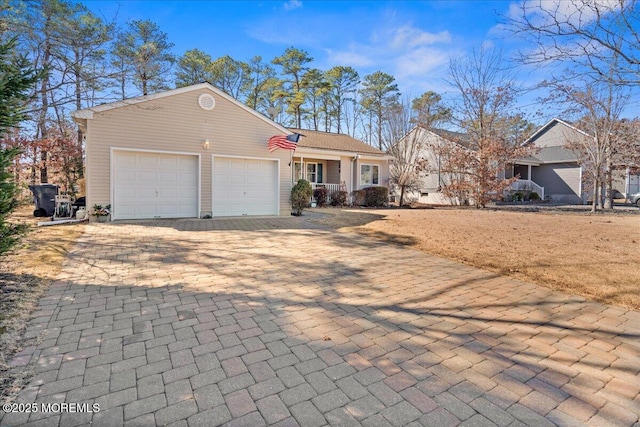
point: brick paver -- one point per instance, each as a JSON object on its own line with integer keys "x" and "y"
{"x": 278, "y": 321}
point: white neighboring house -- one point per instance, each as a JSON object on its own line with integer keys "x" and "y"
{"x": 431, "y": 178}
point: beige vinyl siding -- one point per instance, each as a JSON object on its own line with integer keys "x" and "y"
{"x": 333, "y": 172}
{"x": 346, "y": 172}
{"x": 383, "y": 172}
{"x": 177, "y": 124}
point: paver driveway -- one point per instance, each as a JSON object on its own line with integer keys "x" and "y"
{"x": 278, "y": 322}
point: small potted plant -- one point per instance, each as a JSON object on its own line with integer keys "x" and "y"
{"x": 102, "y": 212}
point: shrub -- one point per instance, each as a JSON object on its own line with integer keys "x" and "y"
{"x": 320, "y": 194}
{"x": 339, "y": 198}
{"x": 376, "y": 196}
{"x": 357, "y": 198}
{"x": 300, "y": 195}
{"x": 534, "y": 196}
{"x": 9, "y": 233}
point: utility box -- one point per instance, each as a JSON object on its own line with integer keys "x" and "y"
{"x": 44, "y": 199}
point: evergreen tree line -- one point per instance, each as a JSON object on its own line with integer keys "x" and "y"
{"x": 90, "y": 61}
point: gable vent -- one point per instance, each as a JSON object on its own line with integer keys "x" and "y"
{"x": 206, "y": 101}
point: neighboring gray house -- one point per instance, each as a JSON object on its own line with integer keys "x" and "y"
{"x": 555, "y": 169}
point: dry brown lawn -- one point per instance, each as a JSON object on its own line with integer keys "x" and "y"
{"x": 593, "y": 255}
{"x": 25, "y": 274}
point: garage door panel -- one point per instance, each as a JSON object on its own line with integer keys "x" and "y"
{"x": 168, "y": 162}
{"x": 244, "y": 187}
{"x": 144, "y": 177}
{"x": 168, "y": 178}
{"x": 155, "y": 185}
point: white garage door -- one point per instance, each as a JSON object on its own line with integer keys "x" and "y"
{"x": 244, "y": 187}
{"x": 154, "y": 185}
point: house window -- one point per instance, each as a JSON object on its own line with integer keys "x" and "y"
{"x": 314, "y": 173}
{"x": 370, "y": 174}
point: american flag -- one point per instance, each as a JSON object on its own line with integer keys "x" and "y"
{"x": 286, "y": 142}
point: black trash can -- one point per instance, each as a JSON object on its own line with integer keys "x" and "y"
{"x": 44, "y": 199}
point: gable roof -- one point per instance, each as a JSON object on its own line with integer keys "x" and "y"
{"x": 87, "y": 113}
{"x": 551, "y": 123}
{"x": 334, "y": 141}
{"x": 459, "y": 138}
{"x": 555, "y": 154}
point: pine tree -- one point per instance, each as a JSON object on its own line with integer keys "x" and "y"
{"x": 16, "y": 78}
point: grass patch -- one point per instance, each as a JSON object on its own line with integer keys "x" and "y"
{"x": 26, "y": 271}
{"x": 593, "y": 255}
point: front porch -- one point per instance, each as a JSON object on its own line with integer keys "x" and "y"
{"x": 524, "y": 184}
{"x": 321, "y": 173}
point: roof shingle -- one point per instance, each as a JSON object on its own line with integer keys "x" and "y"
{"x": 334, "y": 141}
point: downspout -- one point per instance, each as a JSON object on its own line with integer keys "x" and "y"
{"x": 580, "y": 188}
{"x": 353, "y": 166}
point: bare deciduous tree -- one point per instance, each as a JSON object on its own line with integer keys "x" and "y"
{"x": 486, "y": 115}
{"x": 586, "y": 32}
{"x": 599, "y": 106}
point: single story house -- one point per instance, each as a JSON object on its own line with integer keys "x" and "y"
{"x": 196, "y": 152}
{"x": 553, "y": 170}
{"x": 419, "y": 145}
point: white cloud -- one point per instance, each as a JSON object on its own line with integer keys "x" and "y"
{"x": 292, "y": 4}
{"x": 350, "y": 58}
{"x": 577, "y": 13}
{"x": 408, "y": 53}
{"x": 408, "y": 36}
{"x": 420, "y": 62}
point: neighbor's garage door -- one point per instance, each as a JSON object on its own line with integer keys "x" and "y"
{"x": 244, "y": 187}
{"x": 154, "y": 185}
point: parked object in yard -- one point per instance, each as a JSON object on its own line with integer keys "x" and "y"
{"x": 81, "y": 213}
{"x": 63, "y": 210}
{"x": 44, "y": 199}
{"x": 634, "y": 199}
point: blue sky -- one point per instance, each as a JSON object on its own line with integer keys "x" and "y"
{"x": 411, "y": 40}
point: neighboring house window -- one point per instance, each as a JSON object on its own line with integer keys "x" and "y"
{"x": 314, "y": 173}
{"x": 369, "y": 174}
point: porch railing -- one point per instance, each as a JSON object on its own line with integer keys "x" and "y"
{"x": 528, "y": 185}
{"x": 330, "y": 189}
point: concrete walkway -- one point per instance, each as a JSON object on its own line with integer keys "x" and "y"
{"x": 253, "y": 322}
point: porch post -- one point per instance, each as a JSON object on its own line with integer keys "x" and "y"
{"x": 529, "y": 173}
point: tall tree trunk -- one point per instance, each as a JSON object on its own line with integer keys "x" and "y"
{"x": 608, "y": 201}
{"x": 596, "y": 187}
{"x": 42, "y": 120}
{"x": 78, "y": 93}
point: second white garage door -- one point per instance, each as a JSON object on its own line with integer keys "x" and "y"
{"x": 244, "y": 186}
